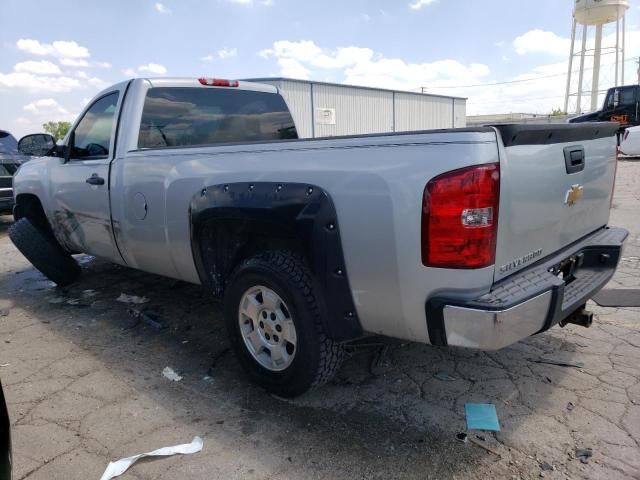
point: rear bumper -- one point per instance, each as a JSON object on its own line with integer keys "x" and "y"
{"x": 530, "y": 301}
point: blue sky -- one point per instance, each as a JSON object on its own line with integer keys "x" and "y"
{"x": 54, "y": 59}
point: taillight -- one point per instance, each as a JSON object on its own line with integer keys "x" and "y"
{"x": 460, "y": 218}
{"x": 218, "y": 82}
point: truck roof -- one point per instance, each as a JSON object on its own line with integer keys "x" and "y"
{"x": 193, "y": 82}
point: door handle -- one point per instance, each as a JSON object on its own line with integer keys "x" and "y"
{"x": 574, "y": 159}
{"x": 95, "y": 180}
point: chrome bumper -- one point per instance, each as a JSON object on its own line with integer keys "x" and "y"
{"x": 487, "y": 330}
{"x": 530, "y": 301}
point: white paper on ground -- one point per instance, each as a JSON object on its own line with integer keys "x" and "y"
{"x": 117, "y": 468}
{"x": 171, "y": 374}
{"x": 124, "y": 298}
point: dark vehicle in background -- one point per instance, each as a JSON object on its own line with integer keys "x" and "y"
{"x": 5, "y": 440}
{"x": 12, "y": 155}
{"x": 622, "y": 105}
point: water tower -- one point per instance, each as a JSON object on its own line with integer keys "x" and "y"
{"x": 590, "y": 13}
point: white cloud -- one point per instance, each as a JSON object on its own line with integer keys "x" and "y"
{"x": 361, "y": 66}
{"x": 37, "y": 83}
{"x": 365, "y": 17}
{"x": 74, "y": 62}
{"x": 292, "y": 68}
{"x": 161, "y": 8}
{"x": 222, "y": 54}
{"x": 418, "y": 4}
{"x": 306, "y": 51}
{"x": 130, "y": 72}
{"x": 154, "y": 68}
{"x": 541, "y": 41}
{"x": 42, "y": 67}
{"x": 59, "y": 48}
{"x": 45, "y": 105}
{"x": 105, "y": 65}
{"x": 242, "y": 2}
{"x": 225, "y": 53}
{"x": 267, "y": 3}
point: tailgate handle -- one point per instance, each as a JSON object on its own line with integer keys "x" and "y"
{"x": 574, "y": 159}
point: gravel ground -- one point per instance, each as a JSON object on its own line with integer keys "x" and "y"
{"x": 82, "y": 375}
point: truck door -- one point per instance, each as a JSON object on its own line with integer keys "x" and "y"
{"x": 622, "y": 105}
{"x": 80, "y": 185}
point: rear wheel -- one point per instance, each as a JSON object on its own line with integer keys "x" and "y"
{"x": 275, "y": 326}
{"x": 44, "y": 252}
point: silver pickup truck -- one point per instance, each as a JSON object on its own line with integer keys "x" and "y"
{"x": 474, "y": 237}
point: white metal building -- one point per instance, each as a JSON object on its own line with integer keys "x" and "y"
{"x": 328, "y": 109}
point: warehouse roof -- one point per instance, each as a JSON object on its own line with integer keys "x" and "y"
{"x": 276, "y": 79}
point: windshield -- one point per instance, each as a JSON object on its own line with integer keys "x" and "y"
{"x": 8, "y": 144}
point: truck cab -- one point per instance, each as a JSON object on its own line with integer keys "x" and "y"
{"x": 620, "y": 105}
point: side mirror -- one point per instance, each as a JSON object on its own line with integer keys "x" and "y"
{"x": 37, "y": 144}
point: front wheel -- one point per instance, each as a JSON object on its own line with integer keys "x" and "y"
{"x": 275, "y": 326}
{"x": 44, "y": 252}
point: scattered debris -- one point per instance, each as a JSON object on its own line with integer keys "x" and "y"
{"x": 481, "y": 437}
{"x": 485, "y": 447}
{"x": 558, "y": 363}
{"x": 379, "y": 361}
{"x": 77, "y": 302}
{"x": 207, "y": 378}
{"x": 546, "y": 466}
{"x": 89, "y": 293}
{"x": 546, "y": 380}
{"x": 584, "y": 454}
{"x": 170, "y": 374}
{"x": 149, "y": 318}
{"x": 124, "y": 298}
{"x": 117, "y": 468}
{"x": 4, "y": 312}
{"x": 481, "y": 416}
{"x": 57, "y": 300}
{"x": 445, "y": 377}
{"x": 4, "y": 364}
{"x": 462, "y": 437}
{"x": 571, "y": 406}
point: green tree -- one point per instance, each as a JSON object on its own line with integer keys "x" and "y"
{"x": 556, "y": 112}
{"x": 57, "y": 129}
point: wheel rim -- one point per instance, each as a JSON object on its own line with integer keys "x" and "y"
{"x": 267, "y": 328}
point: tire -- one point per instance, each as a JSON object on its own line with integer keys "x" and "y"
{"x": 44, "y": 253}
{"x": 315, "y": 358}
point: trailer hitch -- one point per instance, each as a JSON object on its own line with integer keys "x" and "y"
{"x": 581, "y": 316}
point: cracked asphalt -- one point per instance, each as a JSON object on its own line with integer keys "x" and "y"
{"x": 82, "y": 376}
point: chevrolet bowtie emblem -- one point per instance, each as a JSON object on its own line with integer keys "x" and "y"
{"x": 574, "y": 194}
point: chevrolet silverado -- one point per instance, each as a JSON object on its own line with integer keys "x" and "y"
{"x": 473, "y": 237}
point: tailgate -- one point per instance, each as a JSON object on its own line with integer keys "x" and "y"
{"x": 556, "y": 186}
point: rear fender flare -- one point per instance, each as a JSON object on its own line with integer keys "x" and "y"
{"x": 225, "y": 217}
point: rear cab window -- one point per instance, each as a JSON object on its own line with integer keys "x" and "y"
{"x": 192, "y": 116}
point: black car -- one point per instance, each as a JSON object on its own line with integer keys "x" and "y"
{"x": 12, "y": 155}
{"x": 622, "y": 105}
{"x": 5, "y": 440}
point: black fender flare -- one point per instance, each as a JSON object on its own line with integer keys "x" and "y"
{"x": 224, "y": 217}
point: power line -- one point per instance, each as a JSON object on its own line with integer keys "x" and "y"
{"x": 508, "y": 82}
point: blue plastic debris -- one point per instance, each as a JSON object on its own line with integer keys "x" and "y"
{"x": 481, "y": 416}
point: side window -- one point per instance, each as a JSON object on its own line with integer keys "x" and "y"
{"x": 180, "y": 117}
{"x": 628, "y": 96}
{"x": 93, "y": 133}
